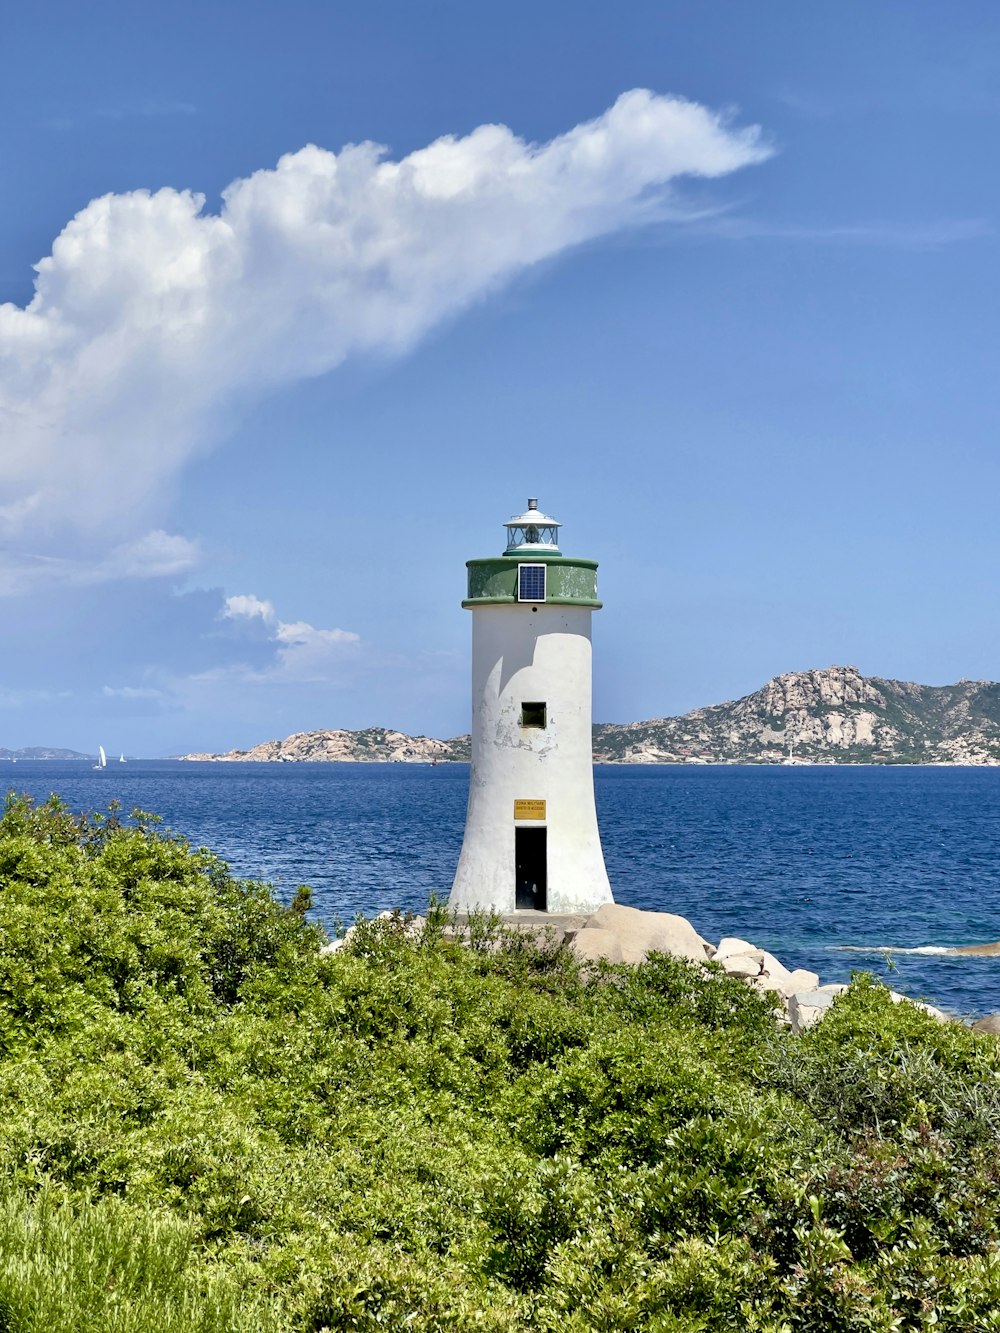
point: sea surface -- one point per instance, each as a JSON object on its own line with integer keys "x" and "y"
{"x": 824, "y": 866}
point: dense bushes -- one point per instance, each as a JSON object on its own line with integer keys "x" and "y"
{"x": 206, "y": 1124}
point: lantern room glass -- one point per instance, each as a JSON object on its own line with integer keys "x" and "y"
{"x": 532, "y": 530}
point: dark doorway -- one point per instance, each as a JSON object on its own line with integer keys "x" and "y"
{"x": 530, "y": 869}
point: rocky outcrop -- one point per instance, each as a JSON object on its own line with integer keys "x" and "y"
{"x": 375, "y": 744}
{"x": 43, "y": 752}
{"x": 627, "y": 935}
{"x": 831, "y": 716}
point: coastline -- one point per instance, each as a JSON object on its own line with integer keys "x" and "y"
{"x": 598, "y": 763}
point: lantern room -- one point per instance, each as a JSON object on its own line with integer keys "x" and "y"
{"x": 532, "y": 531}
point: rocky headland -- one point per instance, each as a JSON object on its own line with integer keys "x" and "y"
{"x": 830, "y": 716}
{"x": 373, "y": 745}
{"x": 42, "y": 752}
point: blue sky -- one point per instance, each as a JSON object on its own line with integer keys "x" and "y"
{"x": 247, "y": 444}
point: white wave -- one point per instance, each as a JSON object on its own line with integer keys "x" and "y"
{"x": 893, "y": 948}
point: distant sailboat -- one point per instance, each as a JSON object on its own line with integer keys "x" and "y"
{"x": 121, "y": 759}
{"x": 102, "y": 761}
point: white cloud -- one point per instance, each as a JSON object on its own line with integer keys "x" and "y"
{"x": 246, "y": 606}
{"x": 258, "y": 649}
{"x": 19, "y": 698}
{"x": 157, "y": 554}
{"x": 152, "y": 319}
{"x": 131, "y": 692}
{"x": 302, "y": 653}
{"x": 309, "y": 654}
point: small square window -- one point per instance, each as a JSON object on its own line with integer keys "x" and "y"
{"x": 531, "y": 583}
{"x": 533, "y": 715}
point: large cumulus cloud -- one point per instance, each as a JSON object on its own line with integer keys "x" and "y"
{"x": 153, "y": 320}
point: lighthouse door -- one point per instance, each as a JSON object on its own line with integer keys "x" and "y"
{"x": 530, "y": 869}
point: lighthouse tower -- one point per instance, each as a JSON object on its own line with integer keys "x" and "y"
{"x": 531, "y": 837}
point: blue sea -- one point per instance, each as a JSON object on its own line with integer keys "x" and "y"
{"x": 824, "y": 866}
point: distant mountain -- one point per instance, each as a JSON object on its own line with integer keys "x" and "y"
{"x": 833, "y": 716}
{"x": 42, "y": 752}
{"x": 374, "y": 744}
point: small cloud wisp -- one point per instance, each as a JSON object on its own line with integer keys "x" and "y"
{"x": 303, "y": 653}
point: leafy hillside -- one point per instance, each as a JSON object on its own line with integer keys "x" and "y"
{"x": 831, "y": 716}
{"x": 207, "y": 1125}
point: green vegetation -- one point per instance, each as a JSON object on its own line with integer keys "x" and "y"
{"x": 206, "y": 1124}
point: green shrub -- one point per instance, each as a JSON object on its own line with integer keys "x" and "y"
{"x": 205, "y": 1123}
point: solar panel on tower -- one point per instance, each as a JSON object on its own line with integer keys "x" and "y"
{"x": 531, "y": 583}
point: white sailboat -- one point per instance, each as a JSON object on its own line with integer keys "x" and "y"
{"x": 121, "y": 759}
{"x": 102, "y": 761}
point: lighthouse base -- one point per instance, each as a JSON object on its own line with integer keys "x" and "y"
{"x": 530, "y": 870}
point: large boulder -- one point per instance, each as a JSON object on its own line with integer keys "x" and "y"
{"x": 741, "y": 959}
{"x": 774, "y": 976}
{"x": 738, "y": 958}
{"x": 592, "y": 946}
{"x": 745, "y": 965}
{"x": 991, "y": 1024}
{"x": 642, "y": 933}
{"x": 731, "y": 947}
{"x": 806, "y": 1007}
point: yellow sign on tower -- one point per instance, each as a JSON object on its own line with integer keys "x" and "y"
{"x": 529, "y": 809}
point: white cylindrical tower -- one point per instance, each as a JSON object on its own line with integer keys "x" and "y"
{"x": 531, "y": 836}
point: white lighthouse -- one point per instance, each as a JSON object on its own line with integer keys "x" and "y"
{"x": 531, "y": 836}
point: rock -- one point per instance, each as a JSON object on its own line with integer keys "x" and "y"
{"x": 412, "y": 929}
{"x": 806, "y": 1007}
{"x": 931, "y": 1009}
{"x": 593, "y": 945}
{"x": 741, "y": 959}
{"x": 744, "y": 965}
{"x": 733, "y": 947}
{"x": 802, "y": 979}
{"x": 821, "y": 715}
{"x": 978, "y": 950}
{"x": 776, "y": 977}
{"x": 641, "y": 933}
{"x": 773, "y": 975}
{"x": 991, "y": 1024}
{"x": 374, "y": 744}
